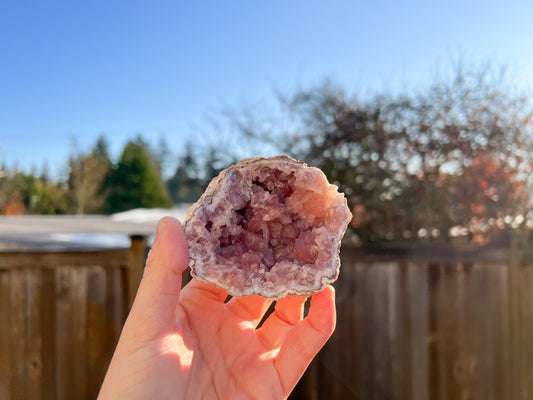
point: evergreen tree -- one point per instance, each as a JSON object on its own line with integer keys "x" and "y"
{"x": 101, "y": 150}
{"x": 136, "y": 180}
{"x": 163, "y": 155}
{"x": 212, "y": 167}
{"x": 45, "y": 173}
{"x": 186, "y": 185}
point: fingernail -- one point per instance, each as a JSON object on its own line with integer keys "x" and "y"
{"x": 160, "y": 227}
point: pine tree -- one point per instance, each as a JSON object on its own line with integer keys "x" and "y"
{"x": 186, "y": 185}
{"x": 101, "y": 150}
{"x": 136, "y": 180}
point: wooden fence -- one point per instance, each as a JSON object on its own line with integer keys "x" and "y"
{"x": 418, "y": 323}
{"x": 60, "y": 317}
{"x": 429, "y": 323}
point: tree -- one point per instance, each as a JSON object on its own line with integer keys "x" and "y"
{"x": 23, "y": 193}
{"x": 163, "y": 155}
{"x": 136, "y": 180}
{"x": 13, "y": 189}
{"x": 87, "y": 175}
{"x": 48, "y": 198}
{"x": 101, "y": 151}
{"x": 45, "y": 173}
{"x": 213, "y": 164}
{"x": 85, "y": 183}
{"x": 489, "y": 196}
{"x": 186, "y": 185}
{"x": 409, "y": 164}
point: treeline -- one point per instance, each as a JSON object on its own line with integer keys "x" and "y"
{"x": 453, "y": 159}
{"x": 97, "y": 184}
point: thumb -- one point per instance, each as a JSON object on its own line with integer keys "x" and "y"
{"x": 155, "y": 304}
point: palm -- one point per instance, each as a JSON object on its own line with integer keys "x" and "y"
{"x": 194, "y": 345}
{"x": 227, "y": 344}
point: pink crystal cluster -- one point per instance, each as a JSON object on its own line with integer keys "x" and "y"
{"x": 268, "y": 226}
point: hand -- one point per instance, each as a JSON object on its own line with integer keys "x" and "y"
{"x": 190, "y": 344}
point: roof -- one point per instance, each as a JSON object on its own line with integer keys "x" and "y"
{"x": 82, "y": 231}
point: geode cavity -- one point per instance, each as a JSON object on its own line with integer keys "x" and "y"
{"x": 267, "y": 226}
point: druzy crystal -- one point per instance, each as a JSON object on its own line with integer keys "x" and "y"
{"x": 267, "y": 226}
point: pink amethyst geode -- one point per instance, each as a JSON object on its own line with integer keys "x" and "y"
{"x": 269, "y": 227}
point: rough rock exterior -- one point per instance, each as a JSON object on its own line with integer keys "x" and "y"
{"x": 268, "y": 226}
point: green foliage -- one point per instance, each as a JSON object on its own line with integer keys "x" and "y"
{"x": 136, "y": 180}
{"x": 22, "y": 193}
{"x": 48, "y": 198}
{"x": 94, "y": 184}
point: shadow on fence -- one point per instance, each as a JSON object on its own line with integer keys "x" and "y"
{"x": 413, "y": 323}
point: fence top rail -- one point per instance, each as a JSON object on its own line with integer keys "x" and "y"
{"x": 427, "y": 253}
{"x": 42, "y": 259}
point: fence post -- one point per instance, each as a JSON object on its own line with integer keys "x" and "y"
{"x": 137, "y": 258}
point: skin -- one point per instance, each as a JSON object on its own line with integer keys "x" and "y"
{"x": 191, "y": 344}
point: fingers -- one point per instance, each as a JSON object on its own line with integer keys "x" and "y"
{"x": 306, "y": 339}
{"x": 159, "y": 290}
{"x": 287, "y": 314}
{"x": 249, "y": 308}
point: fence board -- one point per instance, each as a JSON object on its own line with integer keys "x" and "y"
{"x": 18, "y": 342}
{"x": 96, "y": 346}
{"x": 33, "y": 297}
{"x": 434, "y": 367}
{"x": 399, "y": 333}
{"x": 502, "y": 304}
{"x": 381, "y": 337}
{"x": 515, "y": 323}
{"x": 78, "y": 328}
{"x": 469, "y": 299}
{"x": 5, "y": 336}
{"x": 419, "y": 340}
{"x": 354, "y": 292}
{"x": 48, "y": 334}
{"x": 115, "y": 304}
{"x": 484, "y": 363}
{"x": 499, "y": 331}
{"x": 526, "y": 329}
{"x": 366, "y": 326}
{"x": 65, "y": 336}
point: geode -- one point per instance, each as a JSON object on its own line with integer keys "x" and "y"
{"x": 269, "y": 227}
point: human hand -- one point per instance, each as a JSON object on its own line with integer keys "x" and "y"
{"x": 190, "y": 344}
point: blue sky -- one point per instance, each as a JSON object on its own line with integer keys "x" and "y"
{"x": 160, "y": 68}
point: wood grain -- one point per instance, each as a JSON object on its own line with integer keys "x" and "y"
{"x": 409, "y": 326}
{"x": 5, "y": 335}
